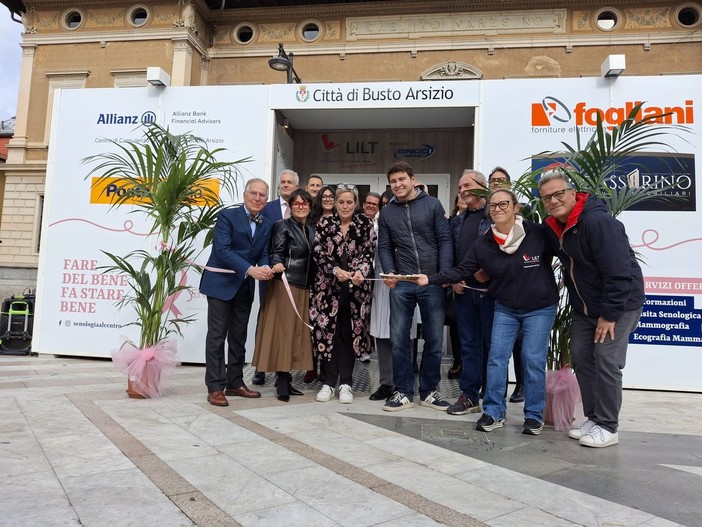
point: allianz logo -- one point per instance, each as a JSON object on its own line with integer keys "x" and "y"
{"x": 115, "y": 118}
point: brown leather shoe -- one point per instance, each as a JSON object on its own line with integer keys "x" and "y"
{"x": 242, "y": 391}
{"x": 217, "y": 399}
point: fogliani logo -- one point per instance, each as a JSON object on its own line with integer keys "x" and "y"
{"x": 302, "y": 94}
{"x": 547, "y": 115}
{"x": 114, "y": 118}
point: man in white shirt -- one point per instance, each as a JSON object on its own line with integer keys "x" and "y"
{"x": 278, "y": 209}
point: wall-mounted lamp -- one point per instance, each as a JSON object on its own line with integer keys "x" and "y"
{"x": 613, "y": 66}
{"x": 284, "y": 62}
{"x": 157, "y": 77}
{"x": 286, "y": 124}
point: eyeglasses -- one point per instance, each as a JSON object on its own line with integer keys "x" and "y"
{"x": 254, "y": 194}
{"x": 300, "y": 204}
{"x": 499, "y": 181}
{"x": 328, "y": 197}
{"x": 502, "y": 205}
{"x": 345, "y": 186}
{"x": 558, "y": 195}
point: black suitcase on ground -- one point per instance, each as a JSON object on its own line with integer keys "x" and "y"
{"x": 16, "y": 325}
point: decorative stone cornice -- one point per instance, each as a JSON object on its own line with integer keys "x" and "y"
{"x": 116, "y": 36}
{"x": 571, "y": 42}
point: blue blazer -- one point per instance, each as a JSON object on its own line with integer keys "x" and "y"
{"x": 272, "y": 210}
{"x": 235, "y": 249}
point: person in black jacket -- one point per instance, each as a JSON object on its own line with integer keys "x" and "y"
{"x": 515, "y": 256}
{"x": 283, "y": 341}
{"x": 414, "y": 237}
{"x": 606, "y": 291}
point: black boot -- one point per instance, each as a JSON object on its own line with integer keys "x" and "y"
{"x": 517, "y": 395}
{"x": 281, "y": 386}
{"x": 291, "y": 389}
{"x": 259, "y": 378}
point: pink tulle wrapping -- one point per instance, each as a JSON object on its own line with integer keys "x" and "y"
{"x": 148, "y": 367}
{"x": 563, "y": 402}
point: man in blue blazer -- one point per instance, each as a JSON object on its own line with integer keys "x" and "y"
{"x": 241, "y": 242}
{"x": 276, "y": 209}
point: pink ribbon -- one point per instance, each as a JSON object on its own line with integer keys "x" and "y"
{"x": 169, "y": 304}
{"x": 292, "y": 300}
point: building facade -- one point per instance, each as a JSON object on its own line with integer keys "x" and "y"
{"x": 87, "y": 44}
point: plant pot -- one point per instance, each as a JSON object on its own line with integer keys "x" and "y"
{"x": 132, "y": 393}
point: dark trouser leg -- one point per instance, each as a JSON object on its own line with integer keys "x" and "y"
{"x": 384, "y": 348}
{"x": 236, "y": 338}
{"x": 218, "y": 313}
{"x": 598, "y": 367}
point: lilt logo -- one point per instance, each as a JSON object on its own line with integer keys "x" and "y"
{"x": 327, "y": 143}
{"x": 548, "y": 110}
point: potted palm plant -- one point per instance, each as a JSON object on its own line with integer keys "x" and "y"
{"x": 173, "y": 182}
{"x": 592, "y": 167}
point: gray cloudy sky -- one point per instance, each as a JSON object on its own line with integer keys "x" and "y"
{"x": 10, "y": 58}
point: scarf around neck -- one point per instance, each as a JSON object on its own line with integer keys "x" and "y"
{"x": 510, "y": 242}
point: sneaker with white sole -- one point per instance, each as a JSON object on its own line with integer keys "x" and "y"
{"x": 435, "y": 401}
{"x": 583, "y": 429}
{"x": 532, "y": 427}
{"x": 487, "y": 423}
{"x": 463, "y": 406}
{"x": 345, "y": 395}
{"x": 599, "y": 437}
{"x": 326, "y": 394}
{"x": 365, "y": 358}
{"x": 398, "y": 401}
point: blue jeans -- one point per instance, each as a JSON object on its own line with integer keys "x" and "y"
{"x": 534, "y": 326}
{"x": 474, "y": 313}
{"x": 403, "y": 299}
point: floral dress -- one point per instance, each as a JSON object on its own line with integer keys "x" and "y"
{"x": 332, "y": 249}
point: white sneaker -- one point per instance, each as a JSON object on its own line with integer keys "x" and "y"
{"x": 326, "y": 394}
{"x": 365, "y": 358}
{"x": 583, "y": 429}
{"x": 345, "y": 395}
{"x": 599, "y": 437}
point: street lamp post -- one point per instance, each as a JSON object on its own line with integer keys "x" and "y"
{"x": 284, "y": 62}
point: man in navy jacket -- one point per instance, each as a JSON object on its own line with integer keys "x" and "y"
{"x": 240, "y": 245}
{"x": 414, "y": 238}
{"x": 605, "y": 289}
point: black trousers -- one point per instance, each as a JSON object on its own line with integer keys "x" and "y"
{"x": 227, "y": 320}
{"x": 343, "y": 357}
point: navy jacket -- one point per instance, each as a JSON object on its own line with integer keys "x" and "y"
{"x": 414, "y": 237}
{"x": 601, "y": 272}
{"x": 523, "y": 280}
{"x": 235, "y": 249}
{"x": 272, "y": 210}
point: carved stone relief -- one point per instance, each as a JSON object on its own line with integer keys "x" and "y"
{"x": 657, "y": 17}
{"x": 104, "y": 17}
{"x": 458, "y": 24}
{"x": 28, "y": 21}
{"x": 451, "y": 70}
{"x": 284, "y": 32}
{"x": 332, "y": 30}
{"x": 543, "y": 66}
{"x": 165, "y": 15}
{"x": 581, "y": 21}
